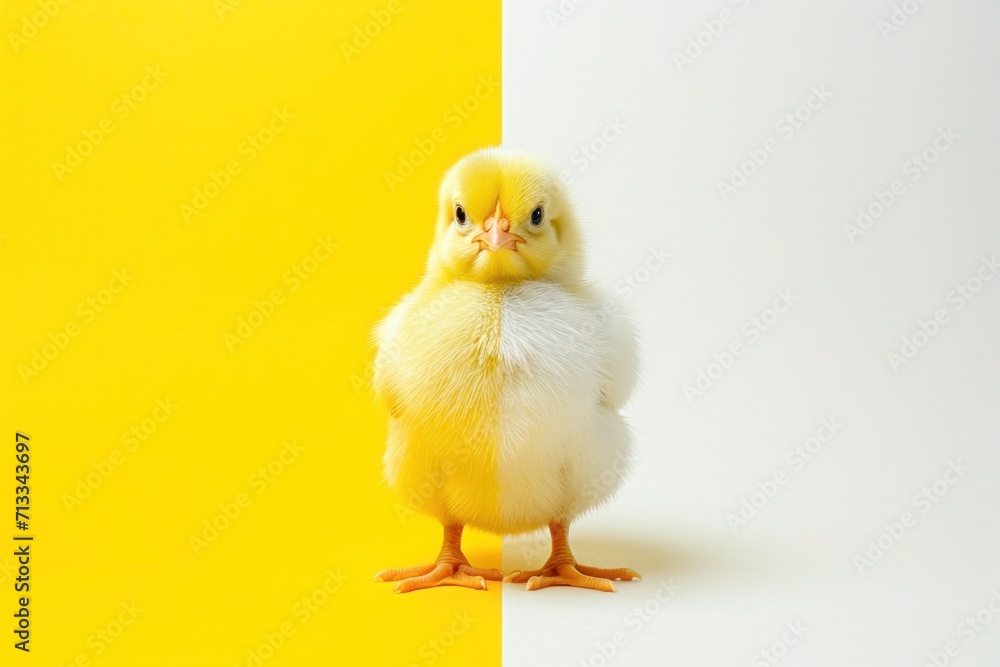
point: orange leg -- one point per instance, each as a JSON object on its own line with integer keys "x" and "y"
{"x": 450, "y": 569}
{"x": 561, "y": 569}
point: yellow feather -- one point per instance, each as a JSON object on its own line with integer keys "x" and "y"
{"x": 443, "y": 437}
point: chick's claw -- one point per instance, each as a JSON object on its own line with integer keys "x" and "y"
{"x": 613, "y": 573}
{"x": 403, "y": 573}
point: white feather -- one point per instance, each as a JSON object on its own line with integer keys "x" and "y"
{"x": 569, "y": 368}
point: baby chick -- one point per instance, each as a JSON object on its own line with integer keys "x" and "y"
{"x": 504, "y": 372}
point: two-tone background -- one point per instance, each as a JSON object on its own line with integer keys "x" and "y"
{"x": 207, "y": 204}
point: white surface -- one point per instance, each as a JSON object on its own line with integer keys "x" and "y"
{"x": 655, "y": 185}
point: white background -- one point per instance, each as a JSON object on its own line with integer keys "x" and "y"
{"x": 655, "y": 185}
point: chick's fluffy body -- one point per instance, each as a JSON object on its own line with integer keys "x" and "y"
{"x": 504, "y": 383}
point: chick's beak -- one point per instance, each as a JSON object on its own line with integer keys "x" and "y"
{"x": 496, "y": 233}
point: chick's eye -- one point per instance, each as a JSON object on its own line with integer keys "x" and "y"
{"x": 536, "y": 217}
{"x": 460, "y": 215}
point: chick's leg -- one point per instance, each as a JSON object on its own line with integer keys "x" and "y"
{"x": 561, "y": 569}
{"x": 450, "y": 569}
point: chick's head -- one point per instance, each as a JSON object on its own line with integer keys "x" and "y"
{"x": 503, "y": 217}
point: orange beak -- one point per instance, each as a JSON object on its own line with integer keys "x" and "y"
{"x": 496, "y": 233}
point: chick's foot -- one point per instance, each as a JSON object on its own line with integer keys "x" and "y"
{"x": 450, "y": 569}
{"x": 561, "y": 569}
{"x": 439, "y": 574}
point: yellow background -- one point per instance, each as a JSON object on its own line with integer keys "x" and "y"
{"x": 162, "y": 336}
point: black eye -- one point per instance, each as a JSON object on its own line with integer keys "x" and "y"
{"x": 536, "y": 217}
{"x": 460, "y": 215}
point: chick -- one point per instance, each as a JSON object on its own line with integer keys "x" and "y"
{"x": 504, "y": 372}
